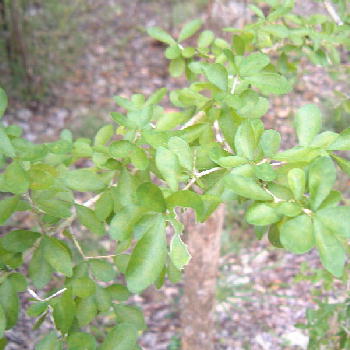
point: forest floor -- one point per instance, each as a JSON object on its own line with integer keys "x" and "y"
{"x": 258, "y": 301}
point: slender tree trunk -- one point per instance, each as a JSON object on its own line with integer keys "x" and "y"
{"x": 5, "y": 29}
{"x": 18, "y": 50}
{"x": 198, "y": 324}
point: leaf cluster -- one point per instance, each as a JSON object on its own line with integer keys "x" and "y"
{"x": 139, "y": 173}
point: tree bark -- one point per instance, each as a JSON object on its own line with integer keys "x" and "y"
{"x": 198, "y": 302}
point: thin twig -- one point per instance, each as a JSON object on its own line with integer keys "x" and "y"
{"x": 332, "y": 12}
{"x": 78, "y": 246}
{"x": 194, "y": 120}
{"x": 100, "y": 257}
{"x": 275, "y": 199}
{"x": 235, "y": 82}
{"x": 36, "y": 296}
{"x": 70, "y": 220}
{"x": 196, "y": 176}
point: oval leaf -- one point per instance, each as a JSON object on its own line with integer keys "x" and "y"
{"x": 322, "y": 176}
{"x": 308, "y": 123}
{"x": 262, "y": 215}
{"x": 332, "y": 253}
{"x": 297, "y": 234}
{"x": 148, "y": 258}
{"x": 179, "y": 253}
{"x": 246, "y": 187}
{"x": 121, "y": 337}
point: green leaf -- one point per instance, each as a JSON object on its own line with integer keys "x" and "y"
{"x": 54, "y": 204}
{"x": 256, "y": 10}
{"x": 186, "y": 199}
{"x": 18, "y": 282}
{"x": 126, "y": 149}
{"x": 297, "y": 234}
{"x": 238, "y": 44}
{"x": 262, "y": 215}
{"x": 118, "y": 292}
{"x": 86, "y": 311}
{"x": 344, "y": 164}
{"x": 265, "y": 172}
{"x": 123, "y": 222}
{"x": 324, "y": 139}
{"x": 308, "y": 123}
{"x": 297, "y": 154}
{"x": 88, "y": 218}
{"x": 81, "y": 341}
{"x": 16, "y": 178}
{"x": 143, "y": 225}
{"x": 36, "y": 309}
{"x": 104, "y": 134}
{"x": 168, "y": 165}
{"x": 64, "y": 311}
{"x": 151, "y": 197}
{"x": 130, "y": 314}
{"x": 332, "y": 253}
{"x": 342, "y": 142}
{"x": 336, "y": 219}
{"x": 161, "y": 35}
{"x": 181, "y": 148}
{"x": 102, "y": 270}
{"x": 288, "y": 209}
{"x": 3, "y": 102}
{"x": 39, "y": 272}
{"x": 253, "y": 63}
{"x": 270, "y": 83}
{"x": 322, "y": 177}
{"x": 189, "y": 29}
{"x": 2, "y": 319}
{"x": 18, "y": 241}
{"x": 83, "y": 180}
{"x": 148, "y": 258}
{"x": 179, "y": 253}
{"x": 246, "y": 187}
{"x": 6, "y": 147}
{"x": 231, "y": 161}
{"x": 270, "y": 142}
{"x": 216, "y": 73}
{"x": 49, "y": 342}
{"x": 104, "y": 206}
{"x": 188, "y": 52}
{"x": 7, "y": 208}
{"x": 121, "y": 337}
{"x": 83, "y": 287}
{"x": 174, "y": 274}
{"x": 124, "y": 103}
{"x": 278, "y": 30}
{"x": 124, "y": 193}
{"x": 205, "y": 39}
{"x": 9, "y": 302}
{"x": 296, "y": 182}
{"x": 42, "y": 176}
{"x": 332, "y": 200}
{"x": 177, "y": 67}
{"x": 247, "y": 139}
{"x": 156, "y": 97}
{"x": 57, "y": 255}
{"x": 103, "y": 299}
{"x": 122, "y": 261}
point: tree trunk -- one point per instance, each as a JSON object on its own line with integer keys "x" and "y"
{"x": 18, "y": 52}
{"x": 197, "y": 318}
